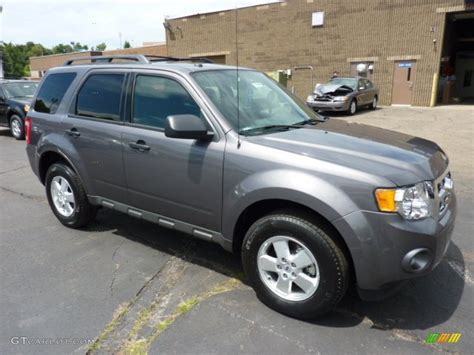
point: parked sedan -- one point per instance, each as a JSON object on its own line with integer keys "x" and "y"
{"x": 344, "y": 94}
{"x": 15, "y": 99}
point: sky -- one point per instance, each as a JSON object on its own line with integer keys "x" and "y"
{"x": 50, "y": 22}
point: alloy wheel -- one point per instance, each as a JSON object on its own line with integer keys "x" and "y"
{"x": 63, "y": 196}
{"x": 16, "y": 128}
{"x": 288, "y": 268}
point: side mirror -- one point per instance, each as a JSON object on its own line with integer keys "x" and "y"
{"x": 186, "y": 127}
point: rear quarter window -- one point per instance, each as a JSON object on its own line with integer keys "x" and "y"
{"x": 52, "y": 92}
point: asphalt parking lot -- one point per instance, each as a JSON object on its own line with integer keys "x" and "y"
{"x": 127, "y": 285}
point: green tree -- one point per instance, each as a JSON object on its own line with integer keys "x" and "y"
{"x": 101, "y": 47}
{"x": 77, "y": 47}
{"x": 127, "y": 44}
{"x": 15, "y": 60}
{"x": 62, "y": 48}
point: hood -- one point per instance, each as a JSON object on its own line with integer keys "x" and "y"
{"x": 401, "y": 158}
{"x": 20, "y": 101}
{"x": 332, "y": 88}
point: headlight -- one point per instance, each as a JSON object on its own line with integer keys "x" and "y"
{"x": 413, "y": 202}
{"x": 340, "y": 98}
{"x": 310, "y": 98}
{"x": 26, "y": 108}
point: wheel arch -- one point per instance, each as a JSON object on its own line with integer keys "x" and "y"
{"x": 11, "y": 112}
{"x": 49, "y": 158}
{"x": 262, "y": 208}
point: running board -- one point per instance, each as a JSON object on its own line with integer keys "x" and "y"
{"x": 163, "y": 221}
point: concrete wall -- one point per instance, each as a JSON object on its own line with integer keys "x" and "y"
{"x": 280, "y": 36}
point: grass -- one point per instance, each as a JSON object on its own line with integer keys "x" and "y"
{"x": 142, "y": 346}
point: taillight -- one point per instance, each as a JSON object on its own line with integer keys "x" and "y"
{"x": 28, "y": 129}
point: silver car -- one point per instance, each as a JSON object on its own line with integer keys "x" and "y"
{"x": 344, "y": 94}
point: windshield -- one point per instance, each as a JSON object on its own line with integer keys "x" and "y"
{"x": 263, "y": 102}
{"x": 19, "y": 89}
{"x": 352, "y": 83}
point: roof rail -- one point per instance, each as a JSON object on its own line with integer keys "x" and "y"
{"x": 108, "y": 59}
{"x": 158, "y": 58}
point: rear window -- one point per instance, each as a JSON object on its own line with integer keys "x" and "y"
{"x": 52, "y": 92}
{"x": 100, "y": 97}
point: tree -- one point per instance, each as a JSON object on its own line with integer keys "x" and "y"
{"x": 101, "y": 47}
{"x": 127, "y": 44}
{"x": 62, "y": 48}
{"x": 15, "y": 60}
{"x": 78, "y": 47}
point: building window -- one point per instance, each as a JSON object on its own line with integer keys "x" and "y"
{"x": 317, "y": 19}
{"x": 363, "y": 69}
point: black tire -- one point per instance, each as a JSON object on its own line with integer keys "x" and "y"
{"x": 352, "y": 107}
{"x": 17, "y": 127}
{"x": 374, "y": 103}
{"x": 83, "y": 212}
{"x": 332, "y": 263}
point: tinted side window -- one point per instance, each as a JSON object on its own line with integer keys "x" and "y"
{"x": 100, "y": 97}
{"x": 52, "y": 92}
{"x": 369, "y": 84}
{"x": 157, "y": 98}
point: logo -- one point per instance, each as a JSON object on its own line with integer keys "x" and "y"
{"x": 442, "y": 338}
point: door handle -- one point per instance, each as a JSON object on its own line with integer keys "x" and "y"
{"x": 73, "y": 132}
{"x": 139, "y": 145}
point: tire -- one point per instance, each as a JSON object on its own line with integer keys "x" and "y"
{"x": 17, "y": 127}
{"x": 329, "y": 276}
{"x": 374, "y": 103}
{"x": 352, "y": 108}
{"x": 75, "y": 214}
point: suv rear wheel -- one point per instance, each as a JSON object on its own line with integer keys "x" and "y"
{"x": 17, "y": 127}
{"x": 67, "y": 197}
{"x": 294, "y": 266}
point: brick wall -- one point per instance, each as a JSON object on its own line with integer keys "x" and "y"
{"x": 280, "y": 36}
{"x": 44, "y": 63}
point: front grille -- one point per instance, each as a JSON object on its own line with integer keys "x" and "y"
{"x": 445, "y": 188}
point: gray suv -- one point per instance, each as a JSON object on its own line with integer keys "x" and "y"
{"x": 231, "y": 157}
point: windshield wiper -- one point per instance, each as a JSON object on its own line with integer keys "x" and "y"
{"x": 312, "y": 121}
{"x": 270, "y": 127}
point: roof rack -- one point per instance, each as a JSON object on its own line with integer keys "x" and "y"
{"x": 139, "y": 58}
{"x": 108, "y": 59}
{"x": 158, "y": 58}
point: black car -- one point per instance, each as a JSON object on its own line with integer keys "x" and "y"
{"x": 15, "y": 99}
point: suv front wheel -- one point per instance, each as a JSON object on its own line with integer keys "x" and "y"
{"x": 294, "y": 266}
{"x": 17, "y": 128}
{"x": 67, "y": 197}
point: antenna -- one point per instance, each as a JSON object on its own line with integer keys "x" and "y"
{"x": 237, "y": 72}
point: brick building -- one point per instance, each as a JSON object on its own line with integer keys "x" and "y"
{"x": 405, "y": 46}
{"x": 39, "y": 65}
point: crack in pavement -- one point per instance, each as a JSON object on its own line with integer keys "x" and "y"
{"x": 14, "y": 169}
{"x": 117, "y": 266}
{"x": 29, "y": 197}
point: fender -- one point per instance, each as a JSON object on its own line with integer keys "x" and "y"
{"x": 15, "y": 111}
{"x": 295, "y": 186}
{"x": 51, "y": 142}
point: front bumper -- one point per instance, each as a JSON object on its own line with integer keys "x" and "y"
{"x": 382, "y": 245}
{"x": 329, "y": 105}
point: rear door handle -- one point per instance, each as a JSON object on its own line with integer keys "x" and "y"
{"x": 139, "y": 145}
{"x": 73, "y": 132}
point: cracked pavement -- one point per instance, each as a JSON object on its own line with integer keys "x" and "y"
{"x": 129, "y": 285}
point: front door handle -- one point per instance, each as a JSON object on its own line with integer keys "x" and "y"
{"x": 73, "y": 132}
{"x": 139, "y": 145}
